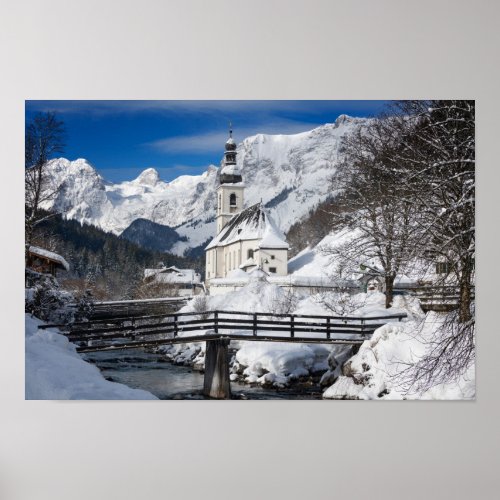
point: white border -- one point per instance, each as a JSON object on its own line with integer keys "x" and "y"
{"x": 273, "y": 49}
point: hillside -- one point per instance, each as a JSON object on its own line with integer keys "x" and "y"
{"x": 151, "y": 235}
{"x": 110, "y": 266}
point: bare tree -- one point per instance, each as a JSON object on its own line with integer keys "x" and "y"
{"x": 436, "y": 162}
{"x": 376, "y": 212}
{"x": 44, "y": 137}
{"x": 419, "y": 164}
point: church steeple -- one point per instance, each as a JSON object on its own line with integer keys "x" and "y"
{"x": 230, "y": 173}
{"x": 230, "y": 190}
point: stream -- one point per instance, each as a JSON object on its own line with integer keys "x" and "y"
{"x": 154, "y": 373}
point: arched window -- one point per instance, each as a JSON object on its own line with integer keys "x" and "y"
{"x": 250, "y": 254}
{"x": 232, "y": 200}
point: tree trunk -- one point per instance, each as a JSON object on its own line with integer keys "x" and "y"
{"x": 464, "y": 313}
{"x": 389, "y": 291}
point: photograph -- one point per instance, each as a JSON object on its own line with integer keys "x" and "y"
{"x": 250, "y": 250}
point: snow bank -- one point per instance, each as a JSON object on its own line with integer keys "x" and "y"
{"x": 270, "y": 363}
{"x": 54, "y": 370}
{"x": 373, "y": 372}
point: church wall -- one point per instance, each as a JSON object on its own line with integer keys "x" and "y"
{"x": 220, "y": 262}
{"x": 232, "y": 256}
{"x": 280, "y": 261}
{"x": 211, "y": 264}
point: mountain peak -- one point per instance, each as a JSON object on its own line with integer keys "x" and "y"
{"x": 343, "y": 119}
{"x": 150, "y": 177}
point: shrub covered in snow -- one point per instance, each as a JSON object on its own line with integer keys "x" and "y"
{"x": 45, "y": 300}
{"x": 378, "y": 370}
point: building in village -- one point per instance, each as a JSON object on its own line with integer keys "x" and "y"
{"x": 182, "y": 282}
{"x": 246, "y": 238}
{"x": 44, "y": 261}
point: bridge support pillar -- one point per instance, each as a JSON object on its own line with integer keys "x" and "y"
{"x": 216, "y": 383}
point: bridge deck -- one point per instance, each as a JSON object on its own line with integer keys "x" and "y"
{"x": 210, "y": 337}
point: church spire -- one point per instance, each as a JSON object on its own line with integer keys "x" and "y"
{"x": 230, "y": 173}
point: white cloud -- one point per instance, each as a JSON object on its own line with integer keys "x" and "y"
{"x": 214, "y": 141}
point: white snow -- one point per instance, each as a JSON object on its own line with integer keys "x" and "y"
{"x": 54, "y": 370}
{"x": 373, "y": 372}
{"x": 268, "y": 362}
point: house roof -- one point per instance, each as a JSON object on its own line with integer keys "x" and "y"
{"x": 253, "y": 223}
{"x": 173, "y": 274}
{"x": 54, "y": 257}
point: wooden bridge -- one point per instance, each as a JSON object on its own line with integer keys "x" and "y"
{"x": 218, "y": 329}
{"x": 133, "y": 308}
{"x": 439, "y": 298}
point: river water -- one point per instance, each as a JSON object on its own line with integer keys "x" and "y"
{"x": 154, "y": 373}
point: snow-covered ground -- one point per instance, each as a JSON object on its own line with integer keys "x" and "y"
{"x": 275, "y": 363}
{"x": 375, "y": 372}
{"x": 370, "y": 374}
{"x": 54, "y": 370}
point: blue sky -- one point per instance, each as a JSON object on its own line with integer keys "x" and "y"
{"x": 122, "y": 138}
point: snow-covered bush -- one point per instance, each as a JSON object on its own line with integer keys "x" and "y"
{"x": 283, "y": 301}
{"x": 84, "y": 306}
{"x": 341, "y": 303}
{"x": 46, "y": 301}
{"x": 200, "y": 304}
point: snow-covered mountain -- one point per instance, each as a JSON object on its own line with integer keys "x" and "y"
{"x": 87, "y": 197}
{"x": 287, "y": 172}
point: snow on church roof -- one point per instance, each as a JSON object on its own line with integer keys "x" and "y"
{"x": 253, "y": 223}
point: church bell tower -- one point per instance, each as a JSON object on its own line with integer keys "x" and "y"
{"x": 231, "y": 187}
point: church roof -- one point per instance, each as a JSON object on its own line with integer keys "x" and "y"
{"x": 253, "y": 223}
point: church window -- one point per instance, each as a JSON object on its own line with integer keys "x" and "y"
{"x": 232, "y": 200}
{"x": 272, "y": 257}
{"x": 220, "y": 203}
{"x": 272, "y": 270}
{"x": 250, "y": 254}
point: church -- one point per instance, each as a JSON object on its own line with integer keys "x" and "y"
{"x": 246, "y": 239}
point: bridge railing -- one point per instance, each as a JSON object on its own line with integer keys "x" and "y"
{"x": 237, "y": 325}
